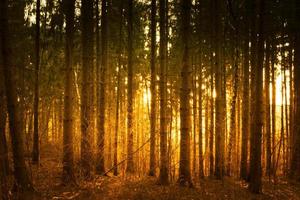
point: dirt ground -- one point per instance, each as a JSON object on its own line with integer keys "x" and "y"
{"x": 47, "y": 182}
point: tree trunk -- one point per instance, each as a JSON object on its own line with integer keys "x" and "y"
{"x": 220, "y": 117}
{"x": 185, "y": 114}
{"x": 201, "y": 168}
{"x": 130, "y": 167}
{"x": 36, "y": 148}
{"x": 87, "y": 85}
{"x": 245, "y": 112}
{"x": 295, "y": 163}
{"x": 164, "y": 172}
{"x": 118, "y": 91}
{"x": 100, "y": 168}
{"x": 273, "y": 108}
{"x": 4, "y": 167}
{"x": 152, "y": 170}
{"x": 68, "y": 124}
{"x": 22, "y": 180}
{"x": 267, "y": 108}
{"x": 233, "y": 119}
{"x": 257, "y": 94}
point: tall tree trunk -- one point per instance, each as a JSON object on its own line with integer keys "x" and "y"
{"x": 152, "y": 170}
{"x": 245, "y": 112}
{"x": 267, "y": 109}
{"x": 68, "y": 124}
{"x": 36, "y": 148}
{"x": 201, "y": 167}
{"x": 100, "y": 168}
{"x": 233, "y": 119}
{"x": 87, "y": 85}
{"x": 22, "y": 180}
{"x": 164, "y": 172}
{"x": 273, "y": 108}
{"x": 118, "y": 91}
{"x": 4, "y": 167}
{"x": 185, "y": 114}
{"x": 295, "y": 163}
{"x": 257, "y": 93}
{"x": 130, "y": 167}
{"x": 220, "y": 117}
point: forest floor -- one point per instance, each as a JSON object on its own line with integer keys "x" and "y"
{"x": 47, "y": 182}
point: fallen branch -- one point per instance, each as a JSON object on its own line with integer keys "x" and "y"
{"x": 105, "y": 174}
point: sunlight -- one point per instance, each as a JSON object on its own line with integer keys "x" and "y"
{"x": 146, "y": 96}
{"x": 280, "y": 100}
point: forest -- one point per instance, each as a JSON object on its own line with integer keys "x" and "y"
{"x": 149, "y": 99}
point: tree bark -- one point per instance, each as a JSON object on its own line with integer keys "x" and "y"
{"x": 152, "y": 170}
{"x": 130, "y": 164}
{"x": 87, "y": 85}
{"x": 22, "y": 180}
{"x": 257, "y": 94}
{"x": 68, "y": 123}
{"x": 164, "y": 172}
{"x": 36, "y": 148}
{"x": 185, "y": 114}
{"x": 100, "y": 168}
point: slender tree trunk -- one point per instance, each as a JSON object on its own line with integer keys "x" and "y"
{"x": 220, "y": 117}
{"x": 152, "y": 170}
{"x": 4, "y": 167}
{"x": 295, "y": 163}
{"x": 245, "y": 112}
{"x": 267, "y": 109}
{"x": 100, "y": 168}
{"x": 68, "y": 124}
{"x": 233, "y": 119}
{"x": 201, "y": 168}
{"x": 273, "y": 109}
{"x": 130, "y": 166}
{"x": 185, "y": 114}
{"x": 22, "y": 180}
{"x": 118, "y": 91}
{"x": 163, "y": 175}
{"x": 87, "y": 85}
{"x": 36, "y": 148}
{"x": 256, "y": 118}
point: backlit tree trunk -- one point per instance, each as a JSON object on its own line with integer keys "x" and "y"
{"x": 152, "y": 171}
{"x": 36, "y": 148}
{"x": 100, "y": 168}
{"x": 257, "y": 111}
{"x": 68, "y": 124}
{"x": 22, "y": 180}
{"x": 130, "y": 167}
{"x": 163, "y": 175}
{"x": 185, "y": 96}
{"x": 87, "y": 82}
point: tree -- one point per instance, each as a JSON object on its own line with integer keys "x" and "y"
{"x": 256, "y": 112}
{"x": 87, "y": 85}
{"x": 163, "y": 175}
{"x": 220, "y": 119}
{"x": 185, "y": 90}
{"x": 101, "y": 125}
{"x": 267, "y": 108}
{"x": 3, "y": 142}
{"x": 68, "y": 125}
{"x": 36, "y": 148}
{"x": 245, "y": 105}
{"x": 153, "y": 90}
{"x": 295, "y": 163}
{"x": 22, "y": 180}
{"x": 130, "y": 167}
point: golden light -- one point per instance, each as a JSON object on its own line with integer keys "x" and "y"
{"x": 146, "y": 96}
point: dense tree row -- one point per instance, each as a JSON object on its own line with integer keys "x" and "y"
{"x": 180, "y": 90}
